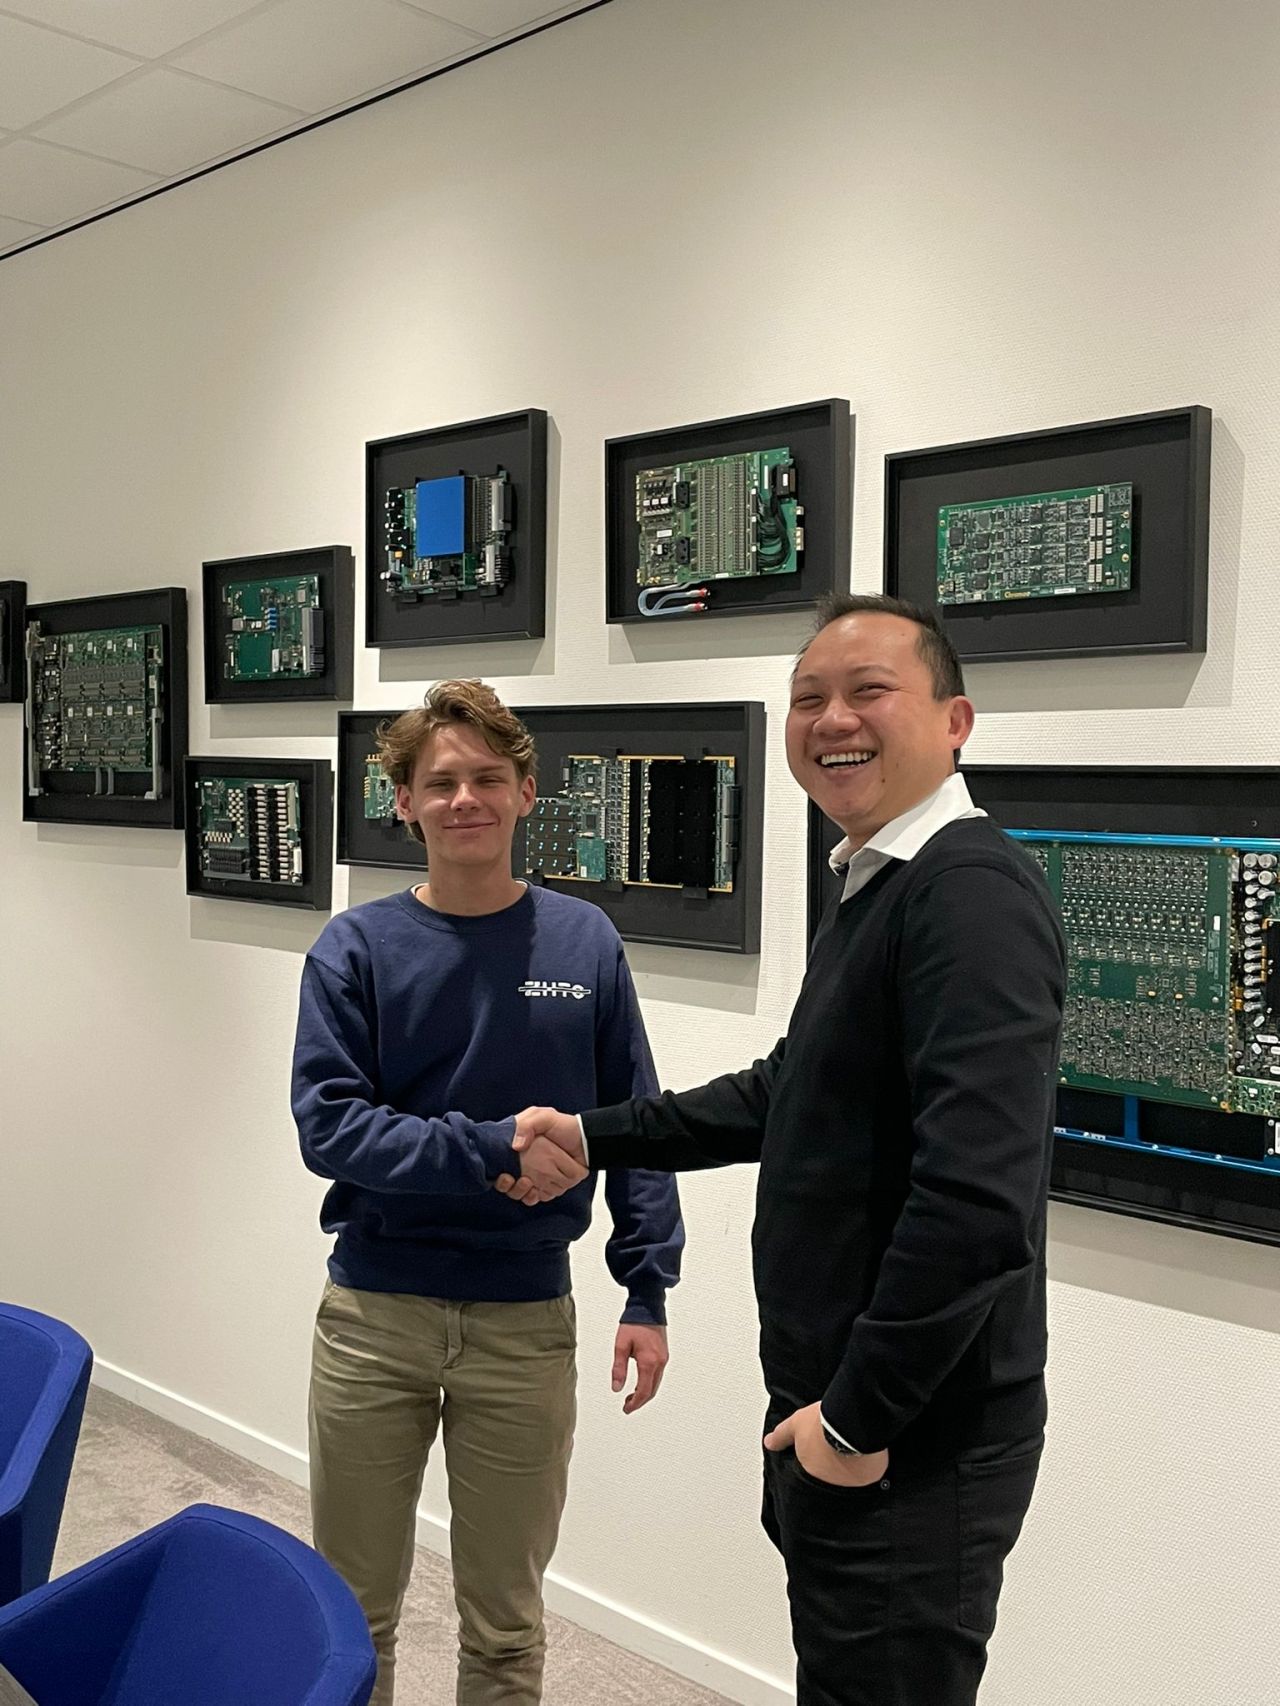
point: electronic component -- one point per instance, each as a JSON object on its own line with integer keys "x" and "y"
{"x": 1041, "y": 545}
{"x": 658, "y": 821}
{"x": 379, "y": 792}
{"x": 1173, "y": 989}
{"x": 274, "y": 630}
{"x": 722, "y": 518}
{"x": 94, "y": 707}
{"x": 448, "y": 536}
{"x": 248, "y": 830}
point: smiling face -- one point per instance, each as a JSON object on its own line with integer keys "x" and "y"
{"x": 466, "y": 800}
{"x": 866, "y": 739}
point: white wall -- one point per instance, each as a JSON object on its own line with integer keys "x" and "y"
{"x": 967, "y": 219}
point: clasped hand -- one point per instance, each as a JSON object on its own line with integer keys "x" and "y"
{"x": 552, "y": 1162}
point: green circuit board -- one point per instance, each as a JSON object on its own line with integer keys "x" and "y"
{"x": 652, "y": 820}
{"x": 1173, "y": 990}
{"x": 379, "y": 791}
{"x": 720, "y": 518}
{"x": 249, "y": 830}
{"x": 95, "y": 705}
{"x": 274, "y": 629}
{"x": 1041, "y": 545}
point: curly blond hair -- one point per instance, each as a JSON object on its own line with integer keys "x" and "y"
{"x": 474, "y": 703}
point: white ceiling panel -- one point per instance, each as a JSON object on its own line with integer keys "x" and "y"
{"x": 14, "y": 231}
{"x": 145, "y": 27}
{"x": 45, "y": 185}
{"x": 40, "y": 71}
{"x": 166, "y": 122}
{"x": 315, "y": 53}
{"x": 491, "y": 17}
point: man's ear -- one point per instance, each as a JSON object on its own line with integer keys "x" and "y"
{"x": 528, "y": 794}
{"x": 960, "y": 720}
{"x": 404, "y": 803}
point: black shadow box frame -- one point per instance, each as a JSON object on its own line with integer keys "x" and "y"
{"x": 13, "y": 632}
{"x": 516, "y": 442}
{"x": 820, "y": 438}
{"x": 1161, "y": 800}
{"x": 69, "y": 800}
{"x": 315, "y": 800}
{"x": 1165, "y": 455}
{"x": 684, "y": 918}
{"x": 334, "y": 569}
{"x": 361, "y": 840}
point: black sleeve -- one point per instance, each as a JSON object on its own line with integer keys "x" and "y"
{"x": 712, "y": 1126}
{"x": 980, "y": 992}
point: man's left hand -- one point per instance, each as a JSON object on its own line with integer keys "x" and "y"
{"x": 803, "y": 1429}
{"x": 647, "y": 1348}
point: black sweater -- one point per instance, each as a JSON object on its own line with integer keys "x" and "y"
{"x": 903, "y": 1128}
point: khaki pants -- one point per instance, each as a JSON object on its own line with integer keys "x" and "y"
{"x": 388, "y": 1369}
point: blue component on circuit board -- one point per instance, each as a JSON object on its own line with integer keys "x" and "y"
{"x": 440, "y": 517}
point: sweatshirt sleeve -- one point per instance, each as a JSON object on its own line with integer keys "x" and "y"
{"x": 980, "y": 994}
{"x": 643, "y": 1251}
{"x": 713, "y": 1126}
{"x": 344, "y": 1131}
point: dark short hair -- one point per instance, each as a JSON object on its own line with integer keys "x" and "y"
{"x": 932, "y": 645}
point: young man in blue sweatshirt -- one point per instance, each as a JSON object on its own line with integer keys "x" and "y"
{"x": 426, "y": 1021}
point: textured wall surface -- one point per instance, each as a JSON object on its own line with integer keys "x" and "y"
{"x": 968, "y": 220}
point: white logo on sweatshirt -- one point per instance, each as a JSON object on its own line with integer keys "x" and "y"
{"x": 541, "y": 986}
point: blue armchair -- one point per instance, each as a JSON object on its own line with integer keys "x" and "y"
{"x": 44, "y": 1375}
{"x": 212, "y": 1608}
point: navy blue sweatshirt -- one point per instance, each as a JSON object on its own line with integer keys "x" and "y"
{"x": 421, "y": 1035}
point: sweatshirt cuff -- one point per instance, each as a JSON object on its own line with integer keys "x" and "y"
{"x": 645, "y": 1309}
{"x": 493, "y": 1140}
{"x": 852, "y": 1419}
{"x": 611, "y": 1141}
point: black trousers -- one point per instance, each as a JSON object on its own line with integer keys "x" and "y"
{"x": 893, "y": 1587}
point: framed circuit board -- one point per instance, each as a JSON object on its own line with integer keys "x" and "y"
{"x": 1077, "y": 541}
{"x": 260, "y": 830}
{"x": 719, "y": 518}
{"x": 105, "y": 709}
{"x": 369, "y": 832}
{"x": 456, "y": 533}
{"x": 739, "y": 515}
{"x": 1169, "y": 1080}
{"x": 13, "y": 629}
{"x": 656, "y": 820}
{"x": 1042, "y": 545}
{"x": 279, "y": 626}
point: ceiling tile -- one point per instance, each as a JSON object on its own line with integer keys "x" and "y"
{"x": 491, "y": 17}
{"x": 14, "y": 231}
{"x": 146, "y": 27}
{"x": 41, "y": 71}
{"x": 166, "y": 122}
{"x": 316, "y": 53}
{"x": 46, "y": 185}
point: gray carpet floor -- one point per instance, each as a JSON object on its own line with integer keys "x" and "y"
{"x": 133, "y": 1470}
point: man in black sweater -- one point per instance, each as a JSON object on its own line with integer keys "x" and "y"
{"x": 903, "y": 1130}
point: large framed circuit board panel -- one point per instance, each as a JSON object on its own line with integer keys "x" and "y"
{"x": 746, "y": 514}
{"x": 106, "y": 710}
{"x": 279, "y": 626}
{"x": 655, "y": 813}
{"x": 13, "y": 628}
{"x": 456, "y": 533}
{"x": 1168, "y": 881}
{"x": 369, "y": 832}
{"x": 1073, "y": 542}
{"x": 260, "y": 829}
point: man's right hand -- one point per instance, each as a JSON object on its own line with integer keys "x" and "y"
{"x": 551, "y": 1156}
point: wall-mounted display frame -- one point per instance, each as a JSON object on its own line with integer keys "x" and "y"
{"x": 1162, "y": 898}
{"x": 369, "y": 832}
{"x": 13, "y": 618}
{"x": 105, "y": 723}
{"x": 279, "y": 626}
{"x": 456, "y": 533}
{"x": 672, "y": 851}
{"x": 747, "y": 514}
{"x": 260, "y": 829}
{"x": 1078, "y": 541}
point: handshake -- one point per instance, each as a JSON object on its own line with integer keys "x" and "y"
{"x": 552, "y": 1160}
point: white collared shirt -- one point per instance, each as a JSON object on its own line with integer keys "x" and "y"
{"x": 903, "y": 836}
